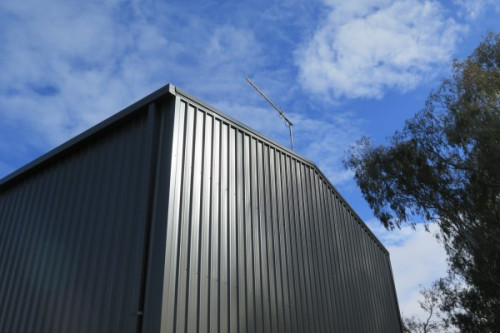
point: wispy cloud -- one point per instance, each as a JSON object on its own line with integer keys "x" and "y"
{"x": 364, "y": 48}
{"x": 68, "y": 65}
{"x": 472, "y": 9}
{"x": 324, "y": 140}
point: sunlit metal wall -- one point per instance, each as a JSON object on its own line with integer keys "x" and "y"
{"x": 259, "y": 241}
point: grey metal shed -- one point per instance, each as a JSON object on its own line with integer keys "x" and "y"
{"x": 172, "y": 217}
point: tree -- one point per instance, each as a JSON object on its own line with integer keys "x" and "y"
{"x": 444, "y": 167}
{"x": 434, "y": 321}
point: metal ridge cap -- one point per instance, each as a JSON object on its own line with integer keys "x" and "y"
{"x": 94, "y": 130}
{"x": 290, "y": 152}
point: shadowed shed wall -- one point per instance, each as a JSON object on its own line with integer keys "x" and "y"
{"x": 72, "y": 237}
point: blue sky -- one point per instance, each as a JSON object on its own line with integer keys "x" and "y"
{"x": 339, "y": 69}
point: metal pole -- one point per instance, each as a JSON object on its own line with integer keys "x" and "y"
{"x": 281, "y": 113}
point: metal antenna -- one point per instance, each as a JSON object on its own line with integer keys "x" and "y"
{"x": 288, "y": 122}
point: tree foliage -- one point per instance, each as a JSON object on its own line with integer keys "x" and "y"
{"x": 444, "y": 166}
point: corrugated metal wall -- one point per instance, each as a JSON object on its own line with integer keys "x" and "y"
{"x": 172, "y": 217}
{"x": 72, "y": 237}
{"x": 259, "y": 241}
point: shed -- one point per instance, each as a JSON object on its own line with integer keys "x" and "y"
{"x": 171, "y": 216}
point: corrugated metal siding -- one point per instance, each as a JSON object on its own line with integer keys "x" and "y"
{"x": 175, "y": 211}
{"x": 259, "y": 241}
{"x": 72, "y": 237}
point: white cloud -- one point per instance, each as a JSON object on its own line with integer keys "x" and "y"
{"x": 364, "y": 48}
{"x": 68, "y": 65}
{"x": 324, "y": 141}
{"x": 472, "y": 9}
{"x": 417, "y": 259}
